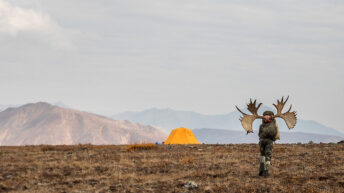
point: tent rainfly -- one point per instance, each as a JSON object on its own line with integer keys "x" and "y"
{"x": 181, "y": 136}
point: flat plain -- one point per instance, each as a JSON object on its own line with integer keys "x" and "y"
{"x": 168, "y": 168}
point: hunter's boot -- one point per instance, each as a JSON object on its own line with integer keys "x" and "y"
{"x": 262, "y": 164}
{"x": 266, "y": 169}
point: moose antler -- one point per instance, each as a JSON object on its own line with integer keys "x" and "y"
{"x": 289, "y": 117}
{"x": 246, "y": 119}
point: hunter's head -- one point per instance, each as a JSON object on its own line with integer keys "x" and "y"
{"x": 268, "y": 116}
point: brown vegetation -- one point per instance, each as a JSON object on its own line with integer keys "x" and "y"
{"x": 214, "y": 168}
{"x": 143, "y": 146}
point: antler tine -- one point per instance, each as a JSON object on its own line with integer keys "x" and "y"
{"x": 251, "y": 103}
{"x": 240, "y": 111}
{"x": 254, "y": 102}
{"x": 275, "y": 105}
{"x": 259, "y": 106}
{"x": 289, "y": 108}
{"x": 286, "y": 100}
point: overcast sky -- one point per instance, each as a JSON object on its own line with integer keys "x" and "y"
{"x": 109, "y": 56}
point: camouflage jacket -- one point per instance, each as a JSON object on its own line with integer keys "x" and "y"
{"x": 269, "y": 131}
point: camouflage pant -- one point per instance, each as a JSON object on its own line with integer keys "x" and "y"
{"x": 266, "y": 148}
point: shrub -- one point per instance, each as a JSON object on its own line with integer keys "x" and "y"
{"x": 144, "y": 146}
{"x": 57, "y": 148}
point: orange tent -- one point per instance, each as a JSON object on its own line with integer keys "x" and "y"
{"x": 181, "y": 136}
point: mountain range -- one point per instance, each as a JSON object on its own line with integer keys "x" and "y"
{"x": 221, "y": 136}
{"x": 169, "y": 119}
{"x": 42, "y": 123}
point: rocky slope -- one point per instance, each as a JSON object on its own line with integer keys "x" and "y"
{"x": 42, "y": 123}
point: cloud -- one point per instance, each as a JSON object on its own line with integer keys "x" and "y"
{"x": 17, "y": 21}
{"x": 225, "y": 52}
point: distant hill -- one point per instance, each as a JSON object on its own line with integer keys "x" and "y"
{"x": 213, "y": 136}
{"x": 169, "y": 119}
{"x": 59, "y": 104}
{"x": 3, "y": 107}
{"x": 42, "y": 123}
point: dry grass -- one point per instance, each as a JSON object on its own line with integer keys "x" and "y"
{"x": 187, "y": 160}
{"x": 144, "y": 146}
{"x": 309, "y": 168}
